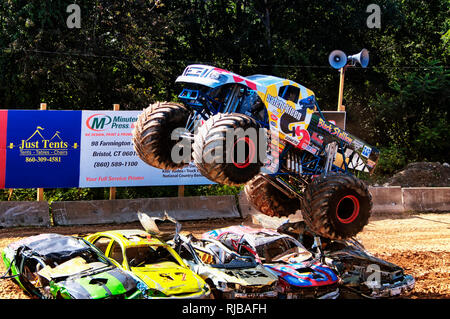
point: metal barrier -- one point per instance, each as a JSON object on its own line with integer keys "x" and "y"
{"x": 125, "y": 210}
{"x": 24, "y": 213}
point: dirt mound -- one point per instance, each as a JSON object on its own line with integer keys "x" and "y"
{"x": 422, "y": 174}
{"x": 431, "y": 278}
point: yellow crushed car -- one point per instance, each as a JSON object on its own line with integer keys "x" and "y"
{"x": 153, "y": 261}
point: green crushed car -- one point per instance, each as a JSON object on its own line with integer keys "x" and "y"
{"x": 67, "y": 267}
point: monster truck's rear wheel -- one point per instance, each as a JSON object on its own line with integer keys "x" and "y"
{"x": 268, "y": 199}
{"x": 230, "y": 161}
{"x": 152, "y": 135}
{"x": 336, "y": 206}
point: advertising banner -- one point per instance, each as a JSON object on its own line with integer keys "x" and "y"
{"x": 108, "y": 158}
{"x": 61, "y": 149}
{"x": 42, "y": 149}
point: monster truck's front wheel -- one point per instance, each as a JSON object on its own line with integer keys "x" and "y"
{"x": 225, "y": 149}
{"x": 336, "y": 206}
{"x": 268, "y": 199}
{"x": 152, "y": 135}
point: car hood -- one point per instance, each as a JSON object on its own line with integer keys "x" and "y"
{"x": 305, "y": 274}
{"x": 169, "y": 278}
{"x": 354, "y": 256}
{"x": 113, "y": 282}
{"x": 257, "y": 276}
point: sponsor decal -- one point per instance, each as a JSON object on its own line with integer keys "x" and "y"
{"x": 312, "y": 149}
{"x": 366, "y": 151}
{"x": 292, "y": 140}
{"x": 290, "y": 126}
{"x": 357, "y": 144}
{"x": 304, "y": 139}
{"x": 317, "y": 138}
{"x": 194, "y": 71}
{"x": 370, "y": 163}
{"x": 334, "y": 130}
{"x": 283, "y": 106}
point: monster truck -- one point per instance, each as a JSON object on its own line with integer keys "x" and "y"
{"x": 307, "y": 162}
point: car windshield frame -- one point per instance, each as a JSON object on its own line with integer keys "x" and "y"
{"x": 261, "y": 248}
{"x": 86, "y": 272}
{"x": 173, "y": 258}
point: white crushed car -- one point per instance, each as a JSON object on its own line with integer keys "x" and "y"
{"x": 228, "y": 274}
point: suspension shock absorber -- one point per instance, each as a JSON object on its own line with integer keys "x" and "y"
{"x": 293, "y": 162}
{"x": 330, "y": 150}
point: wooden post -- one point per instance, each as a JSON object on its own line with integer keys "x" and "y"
{"x": 112, "y": 193}
{"x": 40, "y": 194}
{"x": 112, "y": 190}
{"x": 40, "y": 191}
{"x": 341, "y": 90}
{"x": 180, "y": 190}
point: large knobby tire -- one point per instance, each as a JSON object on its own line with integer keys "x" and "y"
{"x": 269, "y": 200}
{"x": 213, "y": 155}
{"x": 336, "y": 206}
{"x": 152, "y": 134}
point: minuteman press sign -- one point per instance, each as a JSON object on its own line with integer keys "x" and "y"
{"x": 107, "y": 152}
{"x": 77, "y": 149}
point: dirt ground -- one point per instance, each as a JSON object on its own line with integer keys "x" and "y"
{"x": 420, "y": 243}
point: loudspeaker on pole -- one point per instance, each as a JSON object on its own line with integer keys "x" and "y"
{"x": 361, "y": 58}
{"x": 337, "y": 59}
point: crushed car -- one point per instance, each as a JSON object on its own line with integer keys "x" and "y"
{"x": 230, "y": 275}
{"x": 361, "y": 273}
{"x": 300, "y": 274}
{"x": 153, "y": 261}
{"x": 64, "y": 267}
